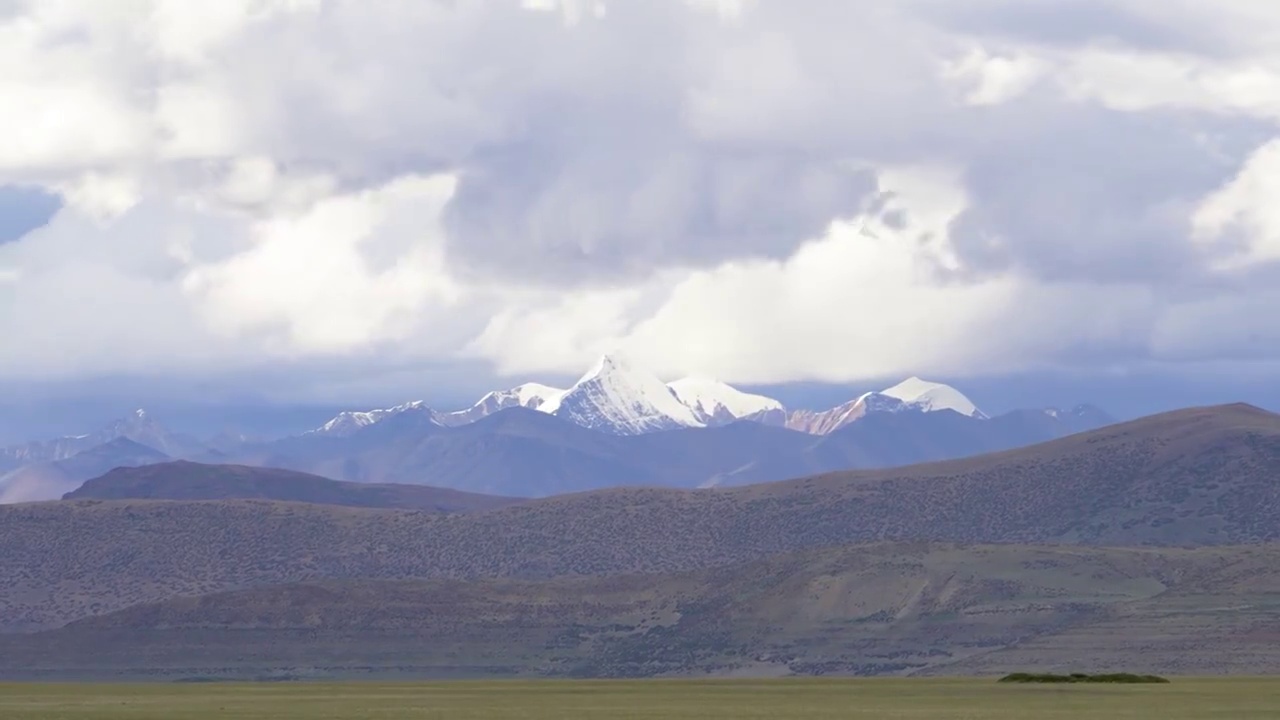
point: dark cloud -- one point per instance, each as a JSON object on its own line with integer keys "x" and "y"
{"x": 1073, "y": 192}
{"x": 618, "y": 210}
{"x": 615, "y": 171}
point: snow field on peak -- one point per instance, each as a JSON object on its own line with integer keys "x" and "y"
{"x": 706, "y": 397}
{"x": 351, "y": 420}
{"x": 529, "y": 395}
{"x": 616, "y": 394}
{"x": 933, "y": 396}
{"x": 535, "y": 394}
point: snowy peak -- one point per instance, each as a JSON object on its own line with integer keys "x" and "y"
{"x": 349, "y": 422}
{"x": 528, "y": 395}
{"x": 912, "y": 394}
{"x": 616, "y": 397}
{"x": 616, "y": 367}
{"x": 137, "y": 426}
{"x": 717, "y": 403}
{"x": 932, "y": 397}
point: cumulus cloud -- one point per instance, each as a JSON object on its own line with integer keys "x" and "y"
{"x": 761, "y": 191}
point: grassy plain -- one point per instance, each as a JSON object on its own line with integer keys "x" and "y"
{"x": 821, "y": 699}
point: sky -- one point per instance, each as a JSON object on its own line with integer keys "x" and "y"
{"x": 256, "y": 207}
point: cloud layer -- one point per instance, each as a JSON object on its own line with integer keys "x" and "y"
{"x": 767, "y": 192}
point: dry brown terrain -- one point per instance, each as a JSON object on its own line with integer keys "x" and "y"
{"x": 1198, "y": 477}
{"x": 183, "y": 480}
{"x": 881, "y": 609}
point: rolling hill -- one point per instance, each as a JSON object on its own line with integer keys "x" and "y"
{"x": 888, "y": 608}
{"x": 185, "y": 480}
{"x": 1202, "y": 477}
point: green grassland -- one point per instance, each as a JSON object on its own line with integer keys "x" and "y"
{"x": 936, "y": 699}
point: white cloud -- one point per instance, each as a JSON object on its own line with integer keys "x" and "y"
{"x": 351, "y": 271}
{"x": 1244, "y": 215}
{"x": 1136, "y": 81}
{"x": 871, "y": 298}
{"x": 993, "y": 79}
{"x": 760, "y": 191}
{"x": 100, "y": 195}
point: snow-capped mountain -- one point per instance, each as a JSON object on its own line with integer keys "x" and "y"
{"x": 349, "y": 422}
{"x": 912, "y": 394}
{"x": 529, "y": 395}
{"x": 821, "y": 422}
{"x": 613, "y": 396}
{"x": 716, "y": 403}
{"x": 931, "y": 396}
{"x": 618, "y": 398}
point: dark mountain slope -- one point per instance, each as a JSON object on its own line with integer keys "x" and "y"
{"x": 1195, "y": 477}
{"x": 183, "y": 480}
{"x": 898, "y": 439}
{"x": 520, "y": 450}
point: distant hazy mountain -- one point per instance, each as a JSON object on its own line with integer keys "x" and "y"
{"x": 49, "y": 480}
{"x": 138, "y": 426}
{"x": 523, "y": 452}
{"x": 529, "y": 453}
{"x": 617, "y": 425}
{"x": 348, "y": 423}
{"x": 906, "y": 435}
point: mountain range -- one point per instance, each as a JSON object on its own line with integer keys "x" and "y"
{"x": 873, "y": 571}
{"x": 616, "y": 426}
{"x": 615, "y": 396}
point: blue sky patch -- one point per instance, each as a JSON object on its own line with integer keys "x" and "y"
{"x": 23, "y": 209}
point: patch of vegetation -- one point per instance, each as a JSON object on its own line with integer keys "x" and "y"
{"x": 1118, "y": 678}
{"x": 786, "y": 699}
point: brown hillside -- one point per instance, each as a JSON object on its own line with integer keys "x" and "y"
{"x": 184, "y": 480}
{"x": 863, "y": 610}
{"x": 1198, "y": 477}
